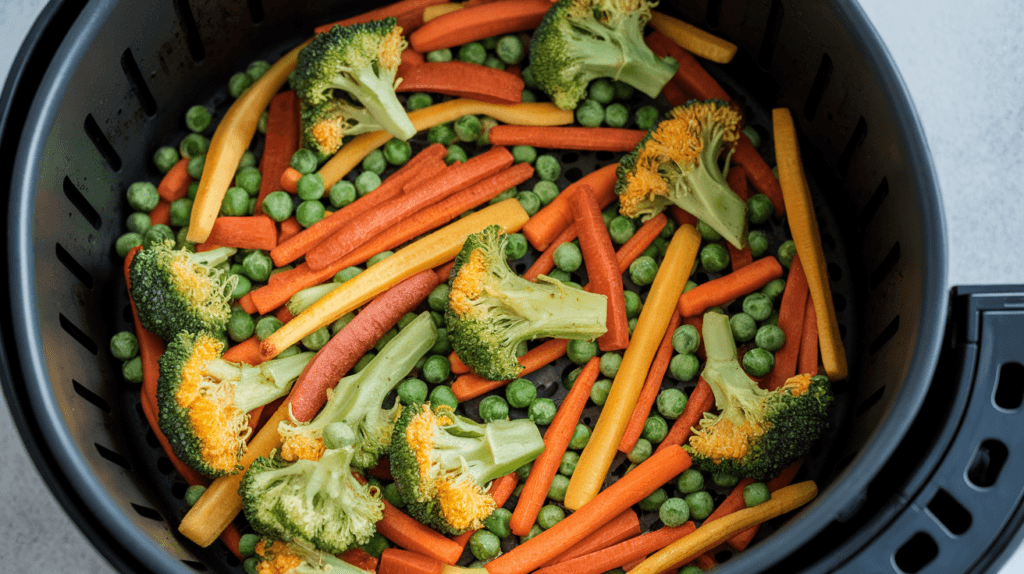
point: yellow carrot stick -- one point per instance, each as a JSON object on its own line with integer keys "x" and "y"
{"x": 439, "y": 247}
{"x": 233, "y": 135}
{"x": 668, "y": 285}
{"x": 431, "y": 12}
{"x": 711, "y": 534}
{"x": 803, "y": 225}
{"x": 525, "y": 114}
{"x": 692, "y": 39}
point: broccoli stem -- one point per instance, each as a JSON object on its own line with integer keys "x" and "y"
{"x": 491, "y": 450}
{"x": 736, "y": 395}
{"x": 213, "y": 257}
{"x": 307, "y": 297}
{"x": 584, "y": 316}
{"x": 271, "y": 380}
{"x": 621, "y": 54}
{"x": 378, "y": 97}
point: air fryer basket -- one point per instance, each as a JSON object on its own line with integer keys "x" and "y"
{"x": 87, "y": 102}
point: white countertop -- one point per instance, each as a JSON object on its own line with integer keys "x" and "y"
{"x": 963, "y": 64}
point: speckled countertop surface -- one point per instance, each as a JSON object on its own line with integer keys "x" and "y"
{"x": 964, "y": 67}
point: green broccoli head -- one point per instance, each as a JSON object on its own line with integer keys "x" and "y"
{"x": 582, "y": 40}
{"x": 677, "y": 163}
{"x": 204, "y": 401}
{"x": 177, "y": 290}
{"x": 491, "y": 310}
{"x": 757, "y": 433}
{"x": 298, "y": 557}
{"x": 442, "y": 464}
{"x": 320, "y": 502}
{"x": 362, "y": 61}
{"x": 358, "y": 400}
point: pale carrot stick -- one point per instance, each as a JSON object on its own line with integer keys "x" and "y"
{"x": 651, "y": 388}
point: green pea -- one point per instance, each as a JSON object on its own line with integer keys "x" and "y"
{"x": 124, "y": 345}
{"x": 261, "y": 124}
{"x": 570, "y": 378}
{"x": 192, "y": 146}
{"x": 542, "y": 411}
{"x": 580, "y": 437}
{"x": 758, "y": 362}
{"x": 156, "y": 234}
{"x": 142, "y": 196}
{"x": 180, "y": 212}
{"x": 700, "y": 504}
{"x": 691, "y": 480}
{"x": 724, "y": 479}
{"x": 473, "y": 52}
{"x": 534, "y": 531}
{"x": 643, "y": 270}
{"x": 580, "y": 351}
{"x": 641, "y": 451}
{"x": 378, "y": 258}
{"x": 684, "y": 367}
{"x": 569, "y": 461}
{"x": 550, "y": 515}
{"x": 249, "y": 179}
{"x": 438, "y": 298}
{"x": 310, "y": 187}
{"x": 317, "y": 339}
{"x": 341, "y": 194}
{"x": 278, "y": 205}
{"x": 412, "y": 392}
{"x": 609, "y": 365}
{"x": 756, "y": 493}
{"x": 546, "y": 191}
{"x": 494, "y": 62}
{"x": 647, "y": 117}
{"x": 674, "y": 512}
{"x": 759, "y": 208}
{"x": 192, "y": 495}
{"x": 524, "y": 154}
{"x": 391, "y": 494}
{"x": 510, "y": 49}
{"x": 559, "y": 484}
{"x": 590, "y": 113}
{"x": 303, "y": 161}
{"x": 757, "y": 305}
{"x": 455, "y": 153}
{"x": 498, "y": 522}
{"x": 653, "y": 501}
{"x": 568, "y": 257}
{"x": 708, "y": 233}
{"x": 397, "y": 152}
{"x": 774, "y": 289}
{"x": 493, "y": 408}
{"x": 528, "y": 78}
{"x": 714, "y": 257}
{"x": 670, "y": 403}
{"x": 441, "y": 55}
{"x": 442, "y": 395}
{"x": 786, "y": 253}
{"x": 623, "y": 91}
{"x": 266, "y": 326}
{"x": 523, "y": 472}
{"x": 599, "y": 391}
{"x": 138, "y": 222}
{"x": 486, "y": 123}
{"x": 240, "y": 325}
{"x": 418, "y": 101}
{"x": 520, "y": 393}
{"x": 198, "y": 118}
{"x": 516, "y": 247}
{"x": 375, "y": 162}
{"x": 309, "y": 212}
{"x": 633, "y": 304}
{"x": 235, "y": 202}
{"x": 242, "y": 286}
{"x": 467, "y": 128}
{"x": 364, "y": 361}
{"x": 238, "y": 83}
{"x": 341, "y": 322}
{"x": 436, "y": 369}
{"x": 655, "y": 429}
{"x": 602, "y": 91}
{"x": 131, "y": 370}
{"x": 528, "y": 96}
{"x": 257, "y": 266}
{"x": 686, "y": 339}
{"x": 257, "y": 68}
{"x": 616, "y": 115}
{"x": 744, "y": 327}
{"x": 347, "y": 273}
{"x": 165, "y": 157}
{"x": 530, "y": 202}
{"x": 507, "y": 194}
{"x": 367, "y": 182}
{"x": 753, "y": 135}
{"x": 621, "y": 229}
{"x": 547, "y": 167}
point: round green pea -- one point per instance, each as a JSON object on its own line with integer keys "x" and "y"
{"x": 309, "y": 212}
{"x": 686, "y": 339}
{"x": 559, "y": 484}
{"x": 653, "y": 501}
{"x": 700, "y": 504}
{"x": 542, "y": 411}
{"x": 493, "y": 408}
{"x": 758, "y": 362}
{"x": 621, "y": 229}
{"x": 774, "y": 289}
{"x": 165, "y": 157}
{"x": 516, "y": 247}
{"x": 580, "y": 351}
{"x": 759, "y": 209}
{"x": 278, "y": 205}
{"x": 757, "y": 305}
{"x": 756, "y": 493}
{"x": 580, "y": 437}
{"x": 568, "y": 257}
{"x": 510, "y": 49}
{"x": 191, "y": 146}
{"x": 550, "y": 515}
{"x": 412, "y": 391}
{"x": 378, "y": 258}
{"x": 771, "y": 338}
{"x": 569, "y": 461}
{"x": 641, "y": 451}
{"x": 131, "y": 370}
{"x": 124, "y": 345}
{"x": 547, "y": 191}
{"x": 397, "y": 152}
{"x": 498, "y": 522}
{"x": 455, "y": 153}
{"x": 257, "y": 266}
{"x": 467, "y": 128}
{"x": 418, "y": 101}
{"x": 758, "y": 242}
{"x": 310, "y": 187}
{"x": 157, "y": 233}
{"x": 442, "y": 395}
{"x": 192, "y": 495}
{"x": 520, "y": 393}
{"x": 142, "y": 196}
{"x": 609, "y": 365}
{"x": 235, "y": 202}
{"x": 708, "y": 233}
{"x": 674, "y": 512}
{"x": 670, "y": 403}
{"x": 633, "y": 304}
{"x": 714, "y": 257}
{"x": 590, "y": 113}
{"x": 473, "y": 52}
{"x": 643, "y": 270}
{"x": 266, "y": 326}
{"x": 744, "y": 327}
{"x": 366, "y": 182}
{"x": 655, "y": 429}
{"x": 786, "y": 252}
{"x": 240, "y": 325}
{"x": 530, "y": 202}
{"x": 547, "y": 168}
{"x": 484, "y": 544}
{"x": 436, "y": 369}
{"x": 317, "y": 339}
{"x": 690, "y": 480}
{"x": 198, "y": 118}
{"x": 646, "y": 117}
{"x": 599, "y": 391}
{"x": 440, "y": 55}
{"x": 684, "y": 366}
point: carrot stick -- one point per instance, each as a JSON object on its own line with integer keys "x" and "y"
{"x": 472, "y": 385}
{"x": 597, "y": 457}
{"x": 614, "y": 500}
{"x": 463, "y": 80}
{"x": 410, "y": 59}
{"x": 691, "y": 76}
{"x": 360, "y": 559}
{"x": 621, "y": 554}
{"x": 652, "y": 386}
{"x": 701, "y": 400}
{"x": 549, "y": 222}
{"x": 387, "y": 215}
{"x": 728, "y": 287}
{"x": 759, "y": 173}
{"x": 737, "y": 180}
{"x": 556, "y": 441}
{"x": 743, "y": 538}
{"x": 161, "y": 213}
{"x": 602, "y": 267}
{"x": 545, "y": 262}
{"x": 290, "y": 180}
{"x": 674, "y": 95}
{"x": 410, "y": 534}
{"x": 281, "y": 142}
{"x": 233, "y": 135}
{"x": 244, "y": 232}
{"x": 283, "y": 314}
{"x": 457, "y": 366}
{"x": 478, "y": 23}
{"x": 398, "y": 561}
{"x": 248, "y": 352}
{"x": 343, "y": 351}
{"x": 290, "y": 228}
{"x": 174, "y": 184}
{"x": 303, "y": 241}
{"x": 501, "y": 490}
{"x": 714, "y": 533}
{"x": 682, "y": 217}
{"x": 443, "y": 272}
{"x": 409, "y": 14}
{"x": 791, "y": 321}
{"x": 733, "y": 502}
{"x": 692, "y": 39}
{"x": 808, "y": 361}
{"x": 803, "y": 225}
{"x": 640, "y": 241}
{"x": 431, "y": 12}
{"x": 575, "y": 138}
{"x": 245, "y": 302}
{"x": 623, "y": 526}
{"x": 427, "y": 172}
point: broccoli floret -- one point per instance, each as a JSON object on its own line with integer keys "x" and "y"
{"x": 204, "y": 401}
{"x": 296, "y": 557}
{"x": 362, "y": 61}
{"x": 177, "y": 290}
{"x": 677, "y": 163}
{"x": 442, "y": 464}
{"x": 325, "y": 125}
{"x": 491, "y": 310}
{"x": 319, "y": 502}
{"x": 357, "y": 400}
{"x": 757, "y": 433}
{"x": 581, "y": 40}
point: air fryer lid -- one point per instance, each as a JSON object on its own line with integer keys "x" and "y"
{"x": 120, "y": 79}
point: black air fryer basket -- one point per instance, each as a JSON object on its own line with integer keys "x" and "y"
{"x": 921, "y": 472}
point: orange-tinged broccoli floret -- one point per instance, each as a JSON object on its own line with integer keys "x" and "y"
{"x": 276, "y": 557}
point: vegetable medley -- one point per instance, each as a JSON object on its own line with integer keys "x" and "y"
{"x": 351, "y": 292}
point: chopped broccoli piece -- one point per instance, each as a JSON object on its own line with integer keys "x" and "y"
{"x": 297, "y": 557}
{"x": 319, "y": 502}
{"x": 204, "y": 401}
{"x": 757, "y": 433}
{"x": 677, "y": 163}
{"x": 360, "y": 60}
{"x": 443, "y": 463}
{"x": 326, "y": 124}
{"x": 357, "y": 401}
{"x": 491, "y": 310}
{"x": 177, "y": 290}
{"x": 304, "y": 299}
{"x": 581, "y": 40}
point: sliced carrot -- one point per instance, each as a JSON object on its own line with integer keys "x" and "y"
{"x": 410, "y": 534}
{"x": 545, "y": 262}
{"x": 472, "y": 385}
{"x": 279, "y": 145}
{"x": 174, "y": 184}
{"x": 244, "y": 232}
{"x": 808, "y": 361}
{"x": 463, "y": 80}
{"x": 803, "y": 225}
{"x": 248, "y": 352}
{"x": 478, "y": 23}
{"x": 791, "y": 321}
{"x": 556, "y": 441}
{"x": 575, "y": 138}
{"x": 398, "y": 561}
{"x": 640, "y": 241}
{"x": 602, "y": 267}
{"x": 290, "y": 228}
{"x": 623, "y": 526}
{"x": 691, "y": 76}
{"x": 728, "y": 287}
{"x": 409, "y": 14}
{"x": 700, "y": 401}
{"x": 161, "y": 213}
{"x": 651, "y": 388}
{"x": 692, "y": 39}
{"x": 759, "y": 173}
{"x": 553, "y": 218}
{"x": 360, "y": 559}
{"x": 290, "y": 180}
{"x": 621, "y": 554}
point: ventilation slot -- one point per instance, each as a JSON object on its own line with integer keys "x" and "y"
{"x": 78, "y": 335}
{"x": 874, "y": 202}
{"x": 147, "y": 512}
{"x": 256, "y": 11}
{"x": 916, "y": 553}
{"x": 821, "y": 80}
{"x": 113, "y": 457}
{"x": 856, "y": 140}
{"x": 870, "y": 401}
{"x": 188, "y": 25}
{"x": 987, "y": 463}
{"x": 1010, "y": 386}
{"x": 886, "y": 266}
{"x": 887, "y": 333}
{"x": 74, "y": 266}
{"x": 90, "y": 396}
{"x": 103, "y": 145}
{"x": 714, "y": 13}
{"x": 138, "y": 82}
{"x": 82, "y": 204}
{"x": 949, "y": 512}
{"x": 771, "y": 35}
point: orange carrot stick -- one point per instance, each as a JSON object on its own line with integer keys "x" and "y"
{"x": 289, "y": 228}
{"x": 759, "y": 173}
{"x": 243, "y": 232}
{"x": 728, "y": 287}
{"x": 478, "y": 23}
{"x": 410, "y": 59}
{"x": 545, "y": 262}
{"x": 410, "y": 534}
{"x": 427, "y": 172}
{"x": 409, "y": 14}
{"x": 682, "y": 217}
{"x": 622, "y": 553}
{"x": 737, "y": 180}
{"x": 808, "y": 362}
{"x": 360, "y": 559}
{"x": 463, "y": 80}
{"x": 553, "y": 218}
{"x": 623, "y": 526}
{"x": 398, "y": 561}
{"x": 281, "y": 142}
{"x": 161, "y": 213}
{"x": 174, "y": 184}
{"x": 640, "y": 241}
{"x": 472, "y": 385}
{"x": 248, "y": 352}
{"x": 701, "y": 400}
{"x": 791, "y": 321}
{"x": 652, "y": 386}
{"x": 602, "y": 267}
{"x": 691, "y": 76}
{"x": 290, "y": 179}
{"x": 561, "y": 137}
{"x": 245, "y": 302}
{"x": 457, "y": 366}
{"x": 556, "y": 441}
